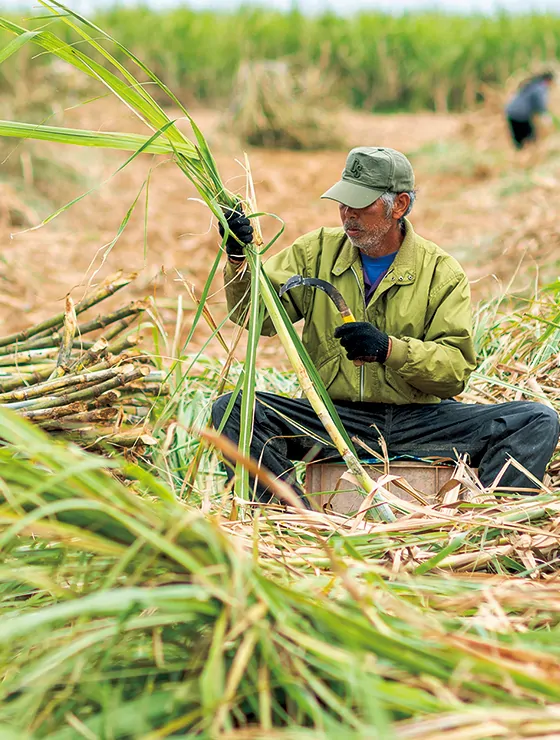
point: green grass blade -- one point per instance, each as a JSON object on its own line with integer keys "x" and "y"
{"x": 102, "y": 140}
{"x": 15, "y": 45}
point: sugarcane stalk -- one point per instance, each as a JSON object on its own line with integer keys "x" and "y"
{"x": 22, "y": 358}
{"x": 108, "y": 288}
{"x": 155, "y": 376}
{"x": 50, "y": 342}
{"x": 89, "y": 357}
{"x": 247, "y": 412}
{"x": 100, "y": 322}
{"x": 137, "y": 410}
{"x": 118, "y": 328}
{"x": 99, "y": 437}
{"x": 31, "y": 404}
{"x": 28, "y": 369}
{"x": 119, "y": 318}
{"x": 149, "y": 389}
{"x": 55, "y": 413}
{"x": 68, "y": 333}
{"x": 30, "y": 378}
{"x": 132, "y": 418}
{"x": 41, "y": 389}
{"x": 107, "y": 399}
{"x": 20, "y": 347}
{"x": 119, "y": 345}
{"x": 85, "y": 417}
{"x": 126, "y": 374}
{"x": 130, "y": 439}
{"x": 111, "y": 362}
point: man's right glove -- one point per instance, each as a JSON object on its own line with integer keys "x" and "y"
{"x": 240, "y": 226}
{"x": 363, "y": 341}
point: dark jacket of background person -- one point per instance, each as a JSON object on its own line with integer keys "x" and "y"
{"x": 529, "y": 101}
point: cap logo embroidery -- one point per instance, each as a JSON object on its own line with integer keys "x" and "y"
{"x": 356, "y": 169}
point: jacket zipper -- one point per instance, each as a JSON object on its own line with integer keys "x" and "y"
{"x": 362, "y": 368}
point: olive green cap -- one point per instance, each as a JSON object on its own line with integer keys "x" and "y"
{"x": 371, "y": 171}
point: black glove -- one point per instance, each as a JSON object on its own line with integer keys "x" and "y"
{"x": 239, "y": 225}
{"x": 363, "y": 341}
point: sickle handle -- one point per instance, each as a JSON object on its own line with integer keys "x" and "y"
{"x": 348, "y": 318}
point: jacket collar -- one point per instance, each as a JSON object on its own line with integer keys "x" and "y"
{"x": 403, "y": 268}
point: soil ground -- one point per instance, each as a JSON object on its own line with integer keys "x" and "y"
{"x": 492, "y": 208}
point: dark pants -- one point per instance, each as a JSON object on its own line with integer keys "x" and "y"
{"x": 521, "y": 131}
{"x": 489, "y": 435}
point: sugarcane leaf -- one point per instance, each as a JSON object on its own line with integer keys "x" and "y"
{"x": 100, "y": 139}
{"x": 89, "y": 24}
{"x": 454, "y": 544}
{"x": 212, "y": 679}
{"x": 152, "y": 111}
{"x": 15, "y": 45}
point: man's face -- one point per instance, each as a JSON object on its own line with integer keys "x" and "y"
{"x": 367, "y": 228}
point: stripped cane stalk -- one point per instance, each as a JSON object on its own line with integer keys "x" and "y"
{"x": 42, "y": 389}
{"x": 107, "y": 399}
{"x": 90, "y": 356}
{"x": 122, "y": 319}
{"x": 28, "y": 369}
{"x": 52, "y": 342}
{"x": 16, "y": 382}
{"x": 23, "y": 358}
{"x": 100, "y": 322}
{"x": 109, "y": 287}
{"x": 54, "y": 413}
{"x": 85, "y": 417}
{"x": 33, "y": 345}
{"x": 100, "y": 436}
{"x": 131, "y": 439}
{"x": 119, "y": 345}
{"x": 68, "y": 333}
{"x": 125, "y": 375}
{"x": 118, "y": 327}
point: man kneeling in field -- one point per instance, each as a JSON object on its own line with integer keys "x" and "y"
{"x": 413, "y": 338}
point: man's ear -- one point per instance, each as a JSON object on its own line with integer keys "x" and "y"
{"x": 400, "y": 207}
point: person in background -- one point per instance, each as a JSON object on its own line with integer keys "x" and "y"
{"x": 530, "y": 100}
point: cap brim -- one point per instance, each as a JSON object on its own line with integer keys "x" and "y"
{"x": 353, "y": 195}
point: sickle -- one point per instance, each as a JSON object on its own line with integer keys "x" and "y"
{"x": 333, "y": 293}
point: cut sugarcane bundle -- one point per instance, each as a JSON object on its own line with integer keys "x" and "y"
{"x": 98, "y": 391}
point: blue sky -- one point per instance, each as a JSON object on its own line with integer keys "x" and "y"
{"x": 314, "y": 6}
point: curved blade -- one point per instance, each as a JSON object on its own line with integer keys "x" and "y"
{"x": 293, "y": 282}
{"x": 334, "y": 294}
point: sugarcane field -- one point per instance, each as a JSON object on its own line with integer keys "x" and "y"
{"x": 279, "y": 371}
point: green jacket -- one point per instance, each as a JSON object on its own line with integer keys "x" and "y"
{"x": 423, "y": 303}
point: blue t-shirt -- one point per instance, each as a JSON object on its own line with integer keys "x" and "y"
{"x": 375, "y": 269}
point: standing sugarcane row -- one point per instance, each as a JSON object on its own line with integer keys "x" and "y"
{"x": 97, "y": 391}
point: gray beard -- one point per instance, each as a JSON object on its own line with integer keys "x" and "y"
{"x": 371, "y": 244}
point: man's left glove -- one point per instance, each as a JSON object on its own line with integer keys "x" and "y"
{"x": 239, "y": 225}
{"x": 363, "y": 341}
